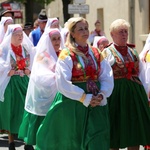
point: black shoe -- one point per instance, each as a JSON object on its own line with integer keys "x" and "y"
{"x": 12, "y": 146}
{"x": 28, "y": 147}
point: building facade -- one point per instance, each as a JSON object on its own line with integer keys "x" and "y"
{"x": 136, "y": 12}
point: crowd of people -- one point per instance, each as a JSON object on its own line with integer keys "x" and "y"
{"x": 66, "y": 88}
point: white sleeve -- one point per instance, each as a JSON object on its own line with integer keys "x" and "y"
{"x": 106, "y": 78}
{"x": 106, "y": 81}
{"x": 64, "y": 84}
{"x": 108, "y": 56}
{"x": 144, "y": 72}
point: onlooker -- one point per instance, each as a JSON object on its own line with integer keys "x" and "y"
{"x": 97, "y": 32}
{"x": 128, "y": 103}
{"x": 6, "y": 13}
{"x": 36, "y": 24}
{"x": 27, "y": 28}
{"x": 35, "y": 35}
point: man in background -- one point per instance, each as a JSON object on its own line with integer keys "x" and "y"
{"x": 35, "y": 35}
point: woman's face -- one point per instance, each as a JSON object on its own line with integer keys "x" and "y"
{"x": 55, "y": 25}
{"x": 98, "y": 26}
{"x": 17, "y": 38}
{"x": 56, "y": 40}
{"x": 81, "y": 33}
{"x": 120, "y": 36}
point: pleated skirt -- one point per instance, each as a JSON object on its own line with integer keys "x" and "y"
{"x": 29, "y": 126}
{"x": 129, "y": 115}
{"x": 12, "y": 109}
{"x": 69, "y": 125}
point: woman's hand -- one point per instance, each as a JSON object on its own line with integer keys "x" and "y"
{"x": 96, "y": 100}
{"x": 27, "y": 71}
{"x": 11, "y": 72}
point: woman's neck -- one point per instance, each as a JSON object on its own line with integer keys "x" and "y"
{"x": 15, "y": 44}
{"x": 82, "y": 44}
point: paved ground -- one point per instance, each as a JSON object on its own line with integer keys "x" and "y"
{"x": 20, "y": 144}
{"x": 4, "y": 143}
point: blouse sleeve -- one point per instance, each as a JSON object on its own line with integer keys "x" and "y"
{"x": 63, "y": 81}
{"x": 108, "y": 56}
{"x": 106, "y": 78}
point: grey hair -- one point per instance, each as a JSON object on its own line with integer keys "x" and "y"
{"x": 115, "y": 25}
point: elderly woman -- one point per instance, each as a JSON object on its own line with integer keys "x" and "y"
{"x": 15, "y": 66}
{"x": 128, "y": 103}
{"x": 78, "y": 116}
{"x": 42, "y": 86}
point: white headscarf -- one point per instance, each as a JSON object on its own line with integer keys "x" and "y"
{"x": 5, "y": 56}
{"x": 2, "y": 23}
{"x": 50, "y": 21}
{"x": 42, "y": 88}
{"x": 97, "y": 39}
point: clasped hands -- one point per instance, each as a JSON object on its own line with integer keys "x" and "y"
{"x": 96, "y": 100}
{"x": 24, "y": 72}
{"x": 97, "y": 97}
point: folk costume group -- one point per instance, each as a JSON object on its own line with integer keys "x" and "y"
{"x": 64, "y": 94}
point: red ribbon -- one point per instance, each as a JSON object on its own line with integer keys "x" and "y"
{"x": 130, "y": 68}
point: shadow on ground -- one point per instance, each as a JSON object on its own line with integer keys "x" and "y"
{"x": 4, "y": 141}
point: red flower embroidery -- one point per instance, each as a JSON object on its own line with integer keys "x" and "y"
{"x": 21, "y": 64}
{"x": 130, "y": 69}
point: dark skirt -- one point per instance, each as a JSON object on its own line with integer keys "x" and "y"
{"x": 69, "y": 125}
{"x": 129, "y": 115}
{"x": 12, "y": 109}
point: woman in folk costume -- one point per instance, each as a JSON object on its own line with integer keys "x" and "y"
{"x": 5, "y": 21}
{"x": 78, "y": 116}
{"x": 100, "y": 42}
{"x": 52, "y": 23}
{"x": 128, "y": 103}
{"x": 145, "y": 74}
{"x": 15, "y": 65}
{"x": 42, "y": 86}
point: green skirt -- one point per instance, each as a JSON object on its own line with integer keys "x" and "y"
{"x": 69, "y": 125}
{"x": 129, "y": 115}
{"x": 11, "y": 110}
{"x": 29, "y": 127}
